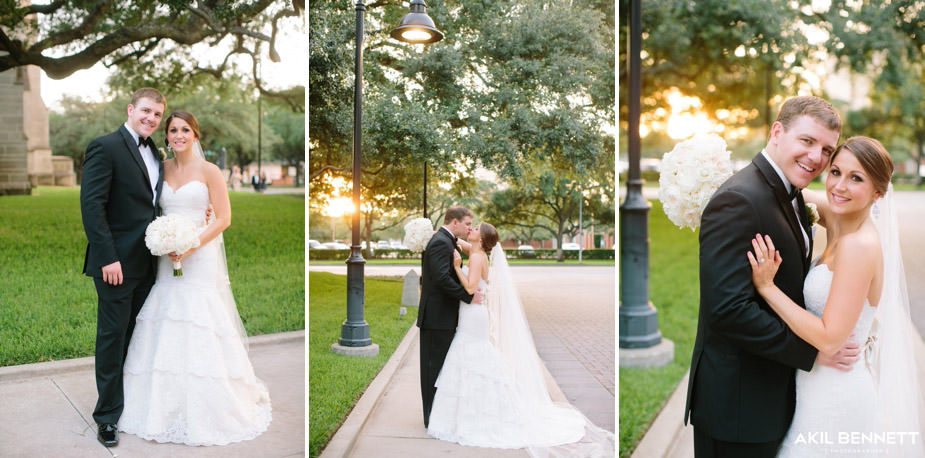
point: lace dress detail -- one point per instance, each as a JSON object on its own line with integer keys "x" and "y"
{"x": 833, "y": 408}
{"x": 187, "y": 376}
{"x": 478, "y": 403}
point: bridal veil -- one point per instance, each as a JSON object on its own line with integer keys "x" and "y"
{"x": 510, "y": 333}
{"x": 897, "y": 357}
{"x": 221, "y": 270}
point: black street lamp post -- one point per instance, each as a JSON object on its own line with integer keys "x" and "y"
{"x": 415, "y": 27}
{"x": 354, "y": 332}
{"x": 638, "y": 319}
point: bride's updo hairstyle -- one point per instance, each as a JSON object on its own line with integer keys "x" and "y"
{"x": 872, "y": 156}
{"x": 184, "y": 115}
{"x": 489, "y": 236}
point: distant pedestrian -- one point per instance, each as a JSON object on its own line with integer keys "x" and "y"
{"x": 263, "y": 182}
{"x": 235, "y": 178}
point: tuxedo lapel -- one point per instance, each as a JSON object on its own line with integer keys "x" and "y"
{"x": 160, "y": 185}
{"x": 447, "y": 234}
{"x": 784, "y": 201}
{"x": 136, "y": 156}
{"x": 804, "y": 221}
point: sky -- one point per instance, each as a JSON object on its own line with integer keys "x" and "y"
{"x": 291, "y": 44}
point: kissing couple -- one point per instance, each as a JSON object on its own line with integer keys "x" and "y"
{"x": 171, "y": 352}
{"x": 482, "y": 382}
{"x": 801, "y": 357}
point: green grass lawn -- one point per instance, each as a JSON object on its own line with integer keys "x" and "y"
{"x": 526, "y": 262}
{"x": 48, "y": 307}
{"x": 337, "y": 381}
{"x": 674, "y": 291}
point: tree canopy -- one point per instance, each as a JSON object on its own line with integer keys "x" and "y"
{"x": 226, "y": 111}
{"x": 885, "y": 41}
{"x": 511, "y": 84}
{"x": 736, "y": 57}
{"x": 148, "y": 41}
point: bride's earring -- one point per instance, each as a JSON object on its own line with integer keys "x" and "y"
{"x": 876, "y": 208}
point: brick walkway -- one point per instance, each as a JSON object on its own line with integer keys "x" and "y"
{"x": 571, "y": 312}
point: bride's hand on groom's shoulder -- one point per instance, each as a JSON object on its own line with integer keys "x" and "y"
{"x": 764, "y": 261}
{"x": 457, "y": 259}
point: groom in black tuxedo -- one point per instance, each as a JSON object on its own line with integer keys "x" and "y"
{"x": 741, "y": 392}
{"x": 119, "y": 189}
{"x": 441, "y": 291}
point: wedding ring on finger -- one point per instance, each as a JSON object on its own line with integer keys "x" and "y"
{"x": 760, "y": 260}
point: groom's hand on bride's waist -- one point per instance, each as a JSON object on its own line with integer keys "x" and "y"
{"x": 477, "y": 298}
{"x": 844, "y": 358}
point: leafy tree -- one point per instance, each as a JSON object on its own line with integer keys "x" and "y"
{"x": 513, "y": 83}
{"x": 737, "y": 57}
{"x": 547, "y": 201}
{"x": 148, "y": 40}
{"x": 290, "y": 128}
{"x": 227, "y": 118}
{"x": 884, "y": 39}
{"x": 226, "y": 113}
{"x": 79, "y": 122}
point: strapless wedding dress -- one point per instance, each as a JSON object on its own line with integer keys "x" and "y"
{"x": 187, "y": 375}
{"x": 836, "y": 411}
{"x": 478, "y": 402}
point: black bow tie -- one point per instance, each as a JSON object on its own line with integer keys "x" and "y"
{"x": 794, "y": 191}
{"x": 144, "y": 141}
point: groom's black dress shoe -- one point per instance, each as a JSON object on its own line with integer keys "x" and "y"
{"x": 108, "y": 435}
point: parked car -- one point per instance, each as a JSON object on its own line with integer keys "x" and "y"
{"x": 570, "y": 246}
{"x": 383, "y": 244}
{"x": 525, "y": 249}
{"x": 313, "y": 244}
{"x": 334, "y": 246}
{"x": 397, "y": 245}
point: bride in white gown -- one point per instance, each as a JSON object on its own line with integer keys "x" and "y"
{"x": 491, "y": 391}
{"x": 187, "y": 376}
{"x": 856, "y": 289}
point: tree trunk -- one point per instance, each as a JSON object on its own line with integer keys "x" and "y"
{"x": 920, "y": 139}
{"x": 560, "y": 257}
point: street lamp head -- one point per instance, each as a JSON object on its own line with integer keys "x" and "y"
{"x": 417, "y": 26}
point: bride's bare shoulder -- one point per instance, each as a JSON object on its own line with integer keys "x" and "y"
{"x": 862, "y": 245}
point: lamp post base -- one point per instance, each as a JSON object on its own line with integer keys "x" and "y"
{"x": 655, "y": 356}
{"x": 369, "y": 350}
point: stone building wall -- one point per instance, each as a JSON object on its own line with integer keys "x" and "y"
{"x": 35, "y": 118}
{"x": 14, "y": 176}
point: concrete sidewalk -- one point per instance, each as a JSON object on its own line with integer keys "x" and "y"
{"x": 570, "y": 338}
{"x": 48, "y": 409}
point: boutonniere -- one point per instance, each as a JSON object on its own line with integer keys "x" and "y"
{"x": 162, "y": 154}
{"x": 813, "y": 213}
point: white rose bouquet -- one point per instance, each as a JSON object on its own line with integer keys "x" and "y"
{"x": 417, "y": 233}
{"x": 689, "y": 175}
{"x": 171, "y": 234}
